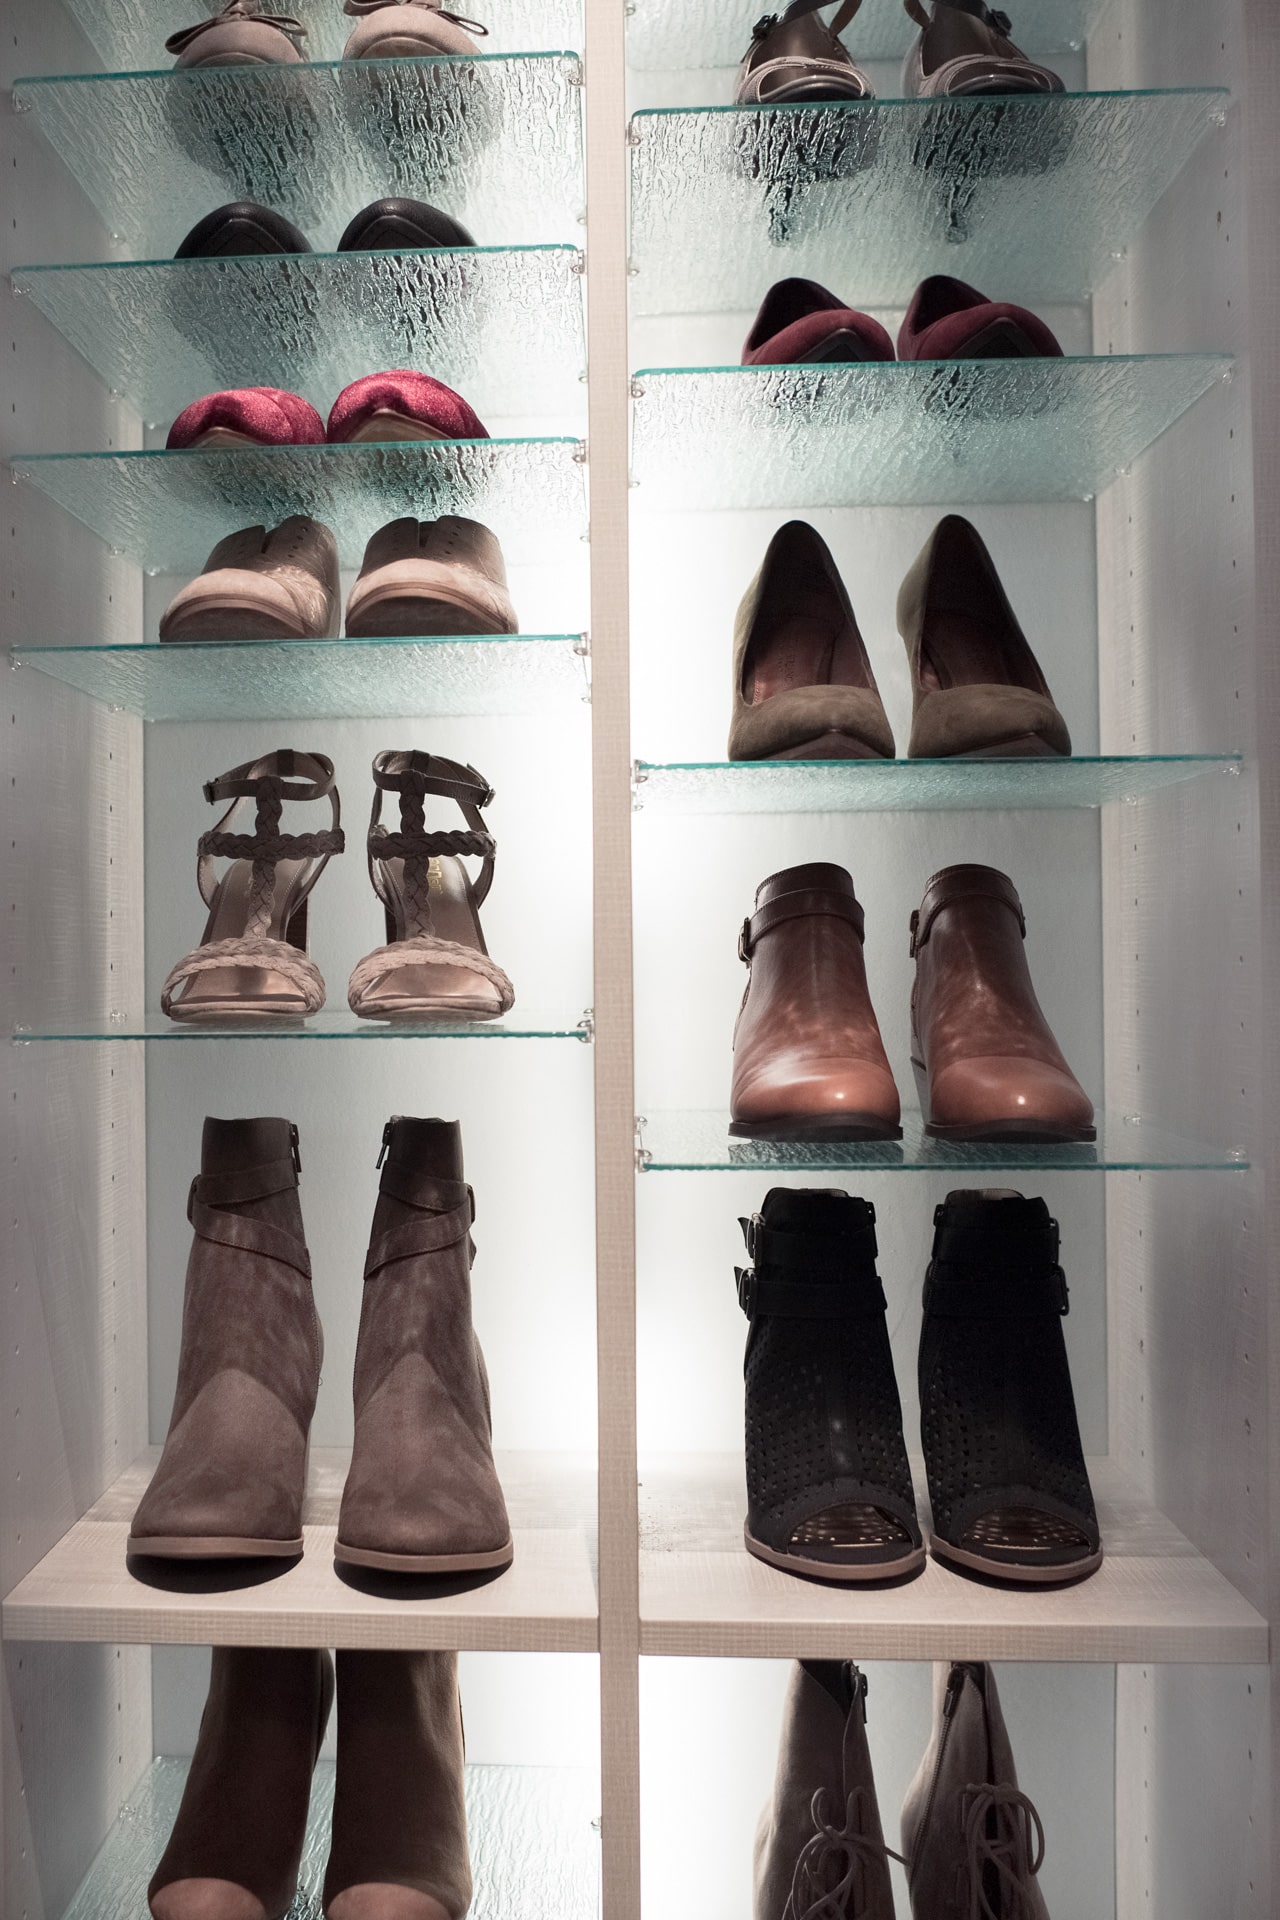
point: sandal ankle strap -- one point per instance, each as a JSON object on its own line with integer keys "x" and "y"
{"x": 238, "y": 10}
{"x": 978, "y": 9}
{"x": 797, "y": 11}
{"x": 413, "y": 776}
{"x": 270, "y": 781}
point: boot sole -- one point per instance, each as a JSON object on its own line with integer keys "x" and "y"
{"x": 848, "y": 1573}
{"x": 993, "y": 1132}
{"x": 1064, "y": 1574}
{"x": 212, "y": 1547}
{"x": 853, "y": 1126}
{"x": 494, "y": 1560}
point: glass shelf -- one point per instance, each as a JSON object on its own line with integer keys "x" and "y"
{"x": 329, "y": 1024}
{"x": 534, "y": 1842}
{"x": 325, "y": 679}
{"x": 664, "y": 35}
{"x": 1030, "y": 198}
{"x": 494, "y": 139}
{"x": 911, "y": 786}
{"x": 130, "y": 34}
{"x": 697, "y": 1140}
{"x": 166, "y": 510}
{"x": 912, "y": 433}
{"x": 502, "y": 325}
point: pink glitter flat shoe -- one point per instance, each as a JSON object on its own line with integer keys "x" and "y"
{"x": 402, "y": 406}
{"x": 248, "y": 417}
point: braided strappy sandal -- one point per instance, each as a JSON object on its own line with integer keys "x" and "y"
{"x": 435, "y": 960}
{"x": 252, "y": 962}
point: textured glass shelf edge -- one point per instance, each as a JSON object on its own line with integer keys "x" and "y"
{"x": 906, "y": 433}
{"x": 325, "y": 679}
{"x": 886, "y": 786}
{"x": 698, "y": 1140}
{"x": 165, "y": 510}
{"x": 495, "y": 138}
{"x": 665, "y": 35}
{"x": 129, "y": 34}
{"x": 534, "y": 1848}
{"x": 1035, "y": 197}
{"x": 517, "y": 1025}
{"x": 504, "y": 325}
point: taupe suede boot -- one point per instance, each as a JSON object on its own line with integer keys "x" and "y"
{"x": 237, "y": 1842}
{"x": 233, "y": 1472}
{"x": 820, "y": 1852}
{"x": 973, "y": 1842}
{"x": 422, "y": 1495}
{"x": 399, "y": 1847}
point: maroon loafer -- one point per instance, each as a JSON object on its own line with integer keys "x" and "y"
{"x": 402, "y": 406}
{"x": 248, "y": 417}
{"x": 800, "y": 321}
{"x": 949, "y": 321}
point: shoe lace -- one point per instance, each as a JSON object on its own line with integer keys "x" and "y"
{"x": 1002, "y": 1831}
{"x": 844, "y": 1851}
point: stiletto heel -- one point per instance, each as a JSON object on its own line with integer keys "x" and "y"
{"x": 435, "y": 960}
{"x": 252, "y": 961}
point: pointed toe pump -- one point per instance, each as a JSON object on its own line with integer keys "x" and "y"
{"x": 252, "y": 962}
{"x": 422, "y": 1495}
{"x": 820, "y": 1847}
{"x": 232, "y": 1475}
{"x": 803, "y": 688}
{"x": 986, "y": 1063}
{"x": 948, "y": 320}
{"x": 829, "y": 1490}
{"x": 1008, "y": 1486}
{"x": 799, "y": 322}
{"x": 795, "y": 56}
{"x": 977, "y": 689}
{"x": 964, "y": 48}
{"x": 435, "y": 961}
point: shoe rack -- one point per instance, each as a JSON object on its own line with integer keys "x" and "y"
{"x": 630, "y": 1666}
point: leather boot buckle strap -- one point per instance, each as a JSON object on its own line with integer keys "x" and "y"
{"x": 246, "y": 1183}
{"x": 1007, "y": 1293}
{"x": 427, "y": 1233}
{"x": 247, "y": 1236}
{"x": 837, "y": 1254}
{"x": 794, "y": 1300}
{"x": 798, "y": 906}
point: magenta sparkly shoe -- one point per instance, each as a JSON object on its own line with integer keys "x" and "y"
{"x": 248, "y": 417}
{"x": 402, "y": 406}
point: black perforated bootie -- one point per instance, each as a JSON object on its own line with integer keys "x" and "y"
{"x": 828, "y": 1486}
{"x": 1007, "y": 1480}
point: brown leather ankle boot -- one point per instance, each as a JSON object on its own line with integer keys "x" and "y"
{"x": 237, "y": 1842}
{"x": 808, "y": 1060}
{"x": 986, "y": 1063}
{"x": 422, "y": 1495}
{"x": 819, "y": 1846}
{"x": 399, "y": 1848}
{"x": 233, "y": 1472}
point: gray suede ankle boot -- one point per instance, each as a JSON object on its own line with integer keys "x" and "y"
{"x": 233, "y": 1472}
{"x": 399, "y": 1847}
{"x": 973, "y": 1842}
{"x": 422, "y": 1495}
{"x": 820, "y": 1852}
{"x": 237, "y": 1842}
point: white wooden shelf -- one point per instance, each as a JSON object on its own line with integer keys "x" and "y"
{"x": 546, "y": 1601}
{"x": 1155, "y": 1597}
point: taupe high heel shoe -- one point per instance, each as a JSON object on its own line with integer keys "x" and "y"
{"x": 252, "y": 961}
{"x": 435, "y": 960}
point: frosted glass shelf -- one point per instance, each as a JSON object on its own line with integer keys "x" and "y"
{"x": 85, "y": 1589}
{"x": 325, "y": 679}
{"x": 1029, "y": 198}
{"x": 696, "y": 1140}
{"x": 501, "y": 325}
{"x": 901, "y": 434}
{"x": 1154, "y": 1597}
{"x": 131, "y": 33}
{"x": 669, "y": 34}
{"x": 166, "y": 510}
{"x": 911, "y": 786}
{"x": 532, "y": 1831}
{"x": 495, "y": 139}
{"x": 329, "y": 1024}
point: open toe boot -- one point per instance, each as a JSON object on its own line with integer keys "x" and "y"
{"x": 422, "y": 1496}
{"x": 1008, "y": 1485}
{"x": 820, "y": 1851}
{"x": 435, "y": 961}
{"x": 828, "y": 1485}
{"x": 252, "y": 962}
{"x": 233, "y": 1472}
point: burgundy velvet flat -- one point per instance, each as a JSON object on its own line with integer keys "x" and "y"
{"x": 248, "y": 417}
{"x": 949, "y": 321}
{"x": 402, "y": 406}
{"x": 799, "y": 321}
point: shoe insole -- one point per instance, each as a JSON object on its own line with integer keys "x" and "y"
{"x": 387, "y": 424}
{"x": 452, "y": 916}
{"x": 961, "y": 650}
{"x": 802, "y": 646}
{"x": 235, "y": 988}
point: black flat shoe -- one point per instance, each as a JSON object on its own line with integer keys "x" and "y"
{"x": 392, "y": 224}
{"x": 241, "y": 227}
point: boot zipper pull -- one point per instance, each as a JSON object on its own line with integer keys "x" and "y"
{"x": 386, "y": 1140}
{"x": 955, "y": 1687}
{"x": 294, "y": 1148}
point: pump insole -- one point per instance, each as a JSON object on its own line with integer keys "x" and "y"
{"x": 802, "y": 647}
